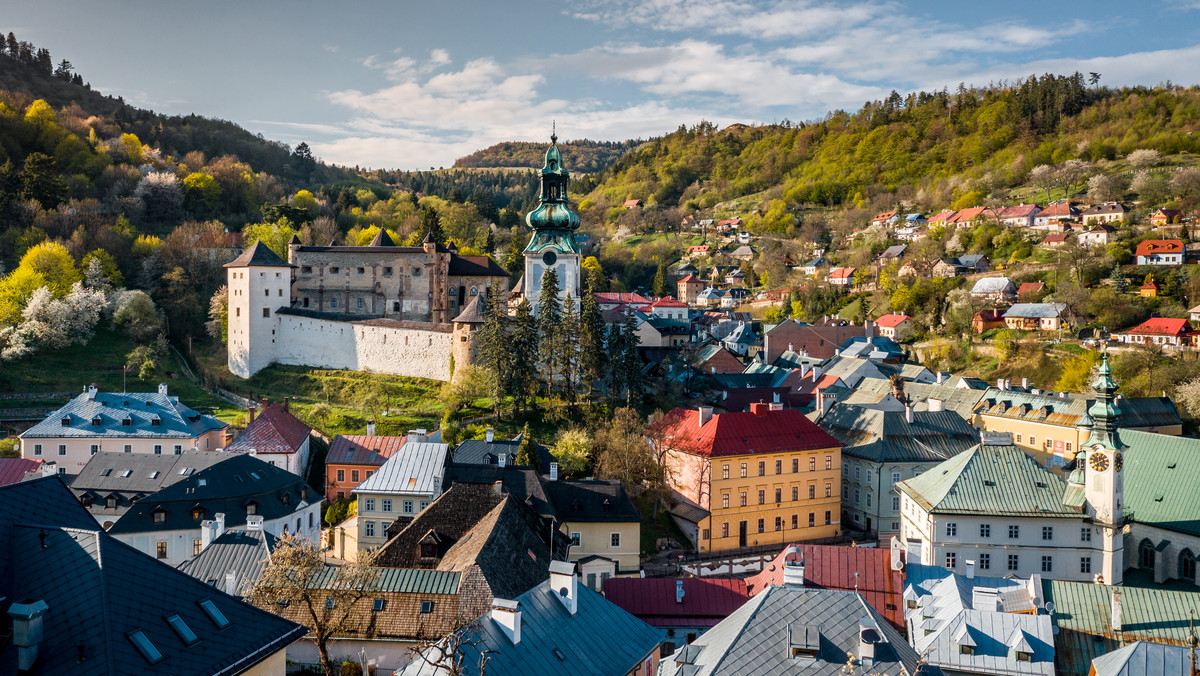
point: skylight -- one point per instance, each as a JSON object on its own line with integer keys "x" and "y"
{"x": 125, "y": 473}
{"x": 152, "y": 475}
{"x": 254, "y": 475}
{"x": 214, "y": 613}
{"x": 144, "y": 646}
{"x": 185, "y": 632}
{"x": 381, "y": 603}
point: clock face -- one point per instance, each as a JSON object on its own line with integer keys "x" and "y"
{"x": 549, "y": 258}
{"x": 1119, "y": 462}
{"x": 1098, "y": 461}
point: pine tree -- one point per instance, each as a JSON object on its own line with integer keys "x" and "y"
{"x": 631, "y": 360}
{"x": 525, "y": 455}
{"x": 568, "y": 343}
{"x": 592, "y": 356}
{"x": 431, "y": 225}
{"x": 40, "y": 181}
{"x": 524, "y": 346}
{"x": 660, "y": 281}
{"x": 494, "y": 350}
{"x": 616, "y": 371}
{"x": 549, "y": 323}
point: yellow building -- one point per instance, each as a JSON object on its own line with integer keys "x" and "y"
{"x": 766, "y": 477}
{"x": 604, "y": 526}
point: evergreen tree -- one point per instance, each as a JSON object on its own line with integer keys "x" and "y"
{"x": 615, "y": 362}
{"x": 492, "y": 342}
{"x": 592, "y": 355}
{"x": 489, "y": 244}
{"x": 631, "y": 360}
{"x": 525, "y": 454}
{"x": 549, "y": 323}
{"x": 431, "y": 225}
{"x": 568, "y": 342}
{"x": 524, "y": 347}
{"x": 40, "y": 181}
{"x": 660, "y": 281}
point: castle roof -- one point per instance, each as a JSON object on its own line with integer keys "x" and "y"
{"x": 474, "y": 313}
{"x": 259, "y": 255}
{"x": 382, "y": 238}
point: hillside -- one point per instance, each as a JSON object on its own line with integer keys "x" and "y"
{"x": 583, "y": 156}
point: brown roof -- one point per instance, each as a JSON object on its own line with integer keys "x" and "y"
{"x": 362, "y": 449}
{"x": 475, "y": 266}
{"x": 275, "y": 430}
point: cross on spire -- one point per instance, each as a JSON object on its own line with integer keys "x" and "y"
{"x": 553, "y": 131}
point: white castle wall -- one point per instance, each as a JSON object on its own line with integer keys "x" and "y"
{"x": 402, "y": 351}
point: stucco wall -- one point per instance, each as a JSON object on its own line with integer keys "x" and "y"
{"x": 420, "y": 353}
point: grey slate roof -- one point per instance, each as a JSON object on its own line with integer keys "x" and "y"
{"x": 871, "y": 391}
{"x": 994, "y": 285}
{"x": 887, "y": 436}
{"x": 416, "y": 469}
{"x": 1144, "y": 659}
{"x": 1035, "y": 310}
{"x": 129, "y": 477}
{"x": 141, "y": 409}
{"x": 596, "y": 500}
{"x": 525, "y": 483}
{"x": 245, "y": 553}
{"x": 755, "y": 638}
{"x": 99, "y": 591}
{"x": 600, "y": 638}
{"x": 259, "y": 254}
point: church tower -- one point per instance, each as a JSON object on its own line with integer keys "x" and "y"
{"x": 260, "y": 282}
{"x": 1104, "y": 475}
{"x": 552, "y": 245}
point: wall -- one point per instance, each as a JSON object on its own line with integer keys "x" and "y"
{"x": 79, "y": 449}
{"x": 274, "y": 665}
{"x": 383, "y": 655}
{"x": 379, "y": 346}
{"x": 596, "y": 539}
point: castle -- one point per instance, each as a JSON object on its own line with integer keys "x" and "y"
{"x": 384, "y": 308}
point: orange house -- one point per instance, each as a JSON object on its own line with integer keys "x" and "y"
{"x": 353, "y": 458}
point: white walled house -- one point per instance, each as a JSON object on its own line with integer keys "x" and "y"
{"x": 402, "y": 487}
{"x": 1160, "y": 252}
{"x": 276, "y": 437}
{"x": 134, "y": 422}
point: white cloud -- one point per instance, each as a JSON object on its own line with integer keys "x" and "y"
{"x": 1137, "y": 68}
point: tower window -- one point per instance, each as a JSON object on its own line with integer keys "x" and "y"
{"x": 266, "y": 312}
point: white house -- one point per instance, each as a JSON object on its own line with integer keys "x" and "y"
{"x": 1160, "y": 252}
{"x": 403, "y": 486}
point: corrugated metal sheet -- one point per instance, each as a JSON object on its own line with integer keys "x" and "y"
{"x": 992, "y": 480}
{"x": 656, "y": 597}
{"x": 1145, "y": 659}
{"x": 416, "y": 469}
{"x": 1156, "y": 466}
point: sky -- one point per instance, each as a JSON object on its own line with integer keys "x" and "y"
{"x": 414, "y": 85}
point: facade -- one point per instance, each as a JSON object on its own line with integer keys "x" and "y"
{"x": 402, "y": 487}
{"x": 1055, "y": 215}
{"x": 1160, "y": 252}
{"x": 841, "y": 276}
{"x": 689, "y": 288}
{"x": 765, "y": 477}
{"x": 995, "y": 289}
{"x": 352, "y": 459}
{"x": 552, "y": 245}
{"x": 277, "y": 436}
{"x": 1101, "y": 214}
{"x": 896, "y": 327}
{"x": 601, "y": 521}
{"x": 1165, "y": 217}
{"x": 1035, "y": 316}
{"x": 1019, "y": 216}
{"x": 1158, "y": 331}
{"x": 1099, "y": 235}
{"x": 133, "y": 422}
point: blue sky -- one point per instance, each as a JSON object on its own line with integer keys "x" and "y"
{"x": 412, "y": 85}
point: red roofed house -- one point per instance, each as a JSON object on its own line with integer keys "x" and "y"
{"x": 986, "y": 320}
{"x": 353, "y": 458}
{"x": 276, "y": 436}
{"x": 1165, "y": 217}
{"x": 867, "y": 570}
{"x": 608, "y": 300}
{"x": 1054, "y": 215}
{"x": 1030, "y": 291}
{"x": 966, "y": 218}
{"x": 683, "y": 608}
{"x": 629, "y": 204}
{"x": 886, "y": 218}
{"x": 667, "y": 308}
{"x": 1055, "y": 240}
{"x": 766, "y": 477}
{"x": 700, "y": 250}
{"x": 1148, "y": 290}
{"x": 1160, "y": 252}
{"x": 1020, "y": 216}
{"x": 941, "y": 218}
{"x": 689, "y": 287}
{"x": 1158, "y": 331}
{"x": 12, "y": 470}
{"x": 896, "y": 327}
{"x": 841, "y": 276}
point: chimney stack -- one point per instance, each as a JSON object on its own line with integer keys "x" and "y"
{"x": 502, "y": 459}
{"x": 970, "y": 569}
{"x": 554, "y": 471}
{"x": 678, "y": 591}
{"x": 265, "y": 402}
{"x": 777, "y": 405}
{"x": 1025, "y": 383}
{"x": 793, "y": 567}
{"x": 253, "y": 410}
{"x": 287, "y": 401}
{"x": 490, "y": 435}
{"x": 791, "y": 348}
{"x": 206, "y": 533}
{"x": 706, "y": 414}
{"x": 231, "y": 583}
{"x": 162, "y": 389}
{"x": 507, "y": 615}
{"x": 908, "y": 413}
{"x": 759, "y": 408}
{"x": 254, "y": 523}
{"x": 1000, "y": 384}
{"x": 418, "y": 436}
{"x": 941, "y": 377}
{"x": 564, "y": 583}
{"x": 935, "y": 405}
{"x": 1116, "y": 609}
{"x": 220, "y": 517}
{"x": 27, "y": 631}
{"x": 92, "y": 390}
{"x": 371, "y": 427}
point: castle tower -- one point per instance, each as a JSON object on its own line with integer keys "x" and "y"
{"x": 259, "y": 284}
{"x": 1104, "y": 477}
{"x": 466, "y": 324}
{"x": 552, "y": 245}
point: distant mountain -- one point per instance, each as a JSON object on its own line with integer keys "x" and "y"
{"x": 580, "y": 156}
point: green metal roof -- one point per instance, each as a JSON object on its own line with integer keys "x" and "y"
{"x": 405, "y": 580}
{"x": 992, "y": 480}
{"x": 1147, "y": 613}
{"x": 1161, "y": 474}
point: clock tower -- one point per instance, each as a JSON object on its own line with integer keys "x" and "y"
{"x": 552, "y": 245}
{"x": 1103, "y": 465}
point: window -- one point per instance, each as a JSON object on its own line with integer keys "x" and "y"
{"x": 1085, "y": 564}
{"x": 779, "y": 523}
{"x": 416, "y": 272}
{"x": 360, "y": 303}
{"x": 828, "y": 489}
{"x": 110, "y": 503}
{"x": 161, "y": 550}
{"x": 895, "y": 503}
{"x": 743, "y": 470}
{"x": 1014, "y": 561}
{"x": 614, "y": 540}
{"x": 762, "y": 468}
{"x": 182, "y": 629}
{"x": 266, "y": 312}
{"x": 146, "y": 647}
{"x": 196, "y": 546}
{"x": 829, "y": 462}
{"x": 160, "y": 516}
{"x": 369, "y": 504}
{"x": 985, "y": 530}
{"x": 812, "y": 491}
{"x": 778, "y": 495}
{"x": 869, "y": 475}
{"x": 1018, "y": 438}
{"x": 795, "y": 521}
{"x": 724, "y": 471}
{"x": 706, "y": 535}
{"x": 857, "y": 473}
{"x": 951, "y": 530}
{"x": 157, "y": 449}
{"x": 812, "y": 519}
{"x": 37, "y": 449}
{"x": 62, "y": 450}
{"x": 1047, "y": 564}
{"x": 985, "y": 562}
{"x": 426, "y": 607}
{"x": 779, "y": 467}
{"x": 386, "y": 503}
{"x": 332, "y": 302}
{"x": 725, "y": 530}
{"x": 1047, "y": 532}
{"x": 951, "y": 559}
{"x": 369, "y": 529}
{"x": 762, "y": 525}
{"x": 1014, "y": 532}
{"x": 237, "y": 312}
{"x": 856, "y": 496}
{"x": 387, "y": 271}
{"x": 408, "y": 506}
{"x": 743, "y": 501}
{"x": 1085, "y": 534}
{"x": 1032, "y": 440}
{"x": 178, "y": 449}
{"x": 868, "y": 499}
{"x": 214, "y": 613}
{"x": 895, "y": 477}
{"x": 812, "y": 464}
{"x": 252, "y": 508}
{"x": 795, "y": 465}
{"x": 724, "y": 501}
{"x": 1068, "y": 447}
{"x": 1186, "y": 568}
{"x": 95, "y": 448}
{"x": 354, "y": 475}
{"x": 828, "y": 517}
{"x": 762, "y": 497}
{"x": 341, "y": 475}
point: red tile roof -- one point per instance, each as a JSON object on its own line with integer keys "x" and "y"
{"x": 362, "y": 449}
{"x": 706, "y": 601}
{"x": 1018, "y": 211}
{"x": 739, "y": 433}
{"x": 884, "y": 216}
{"x": 1159, "y": 246}
{"x": 1030, "y": 287}
{"x": 1162, "y": 326}
{"x": 1149, "y": 285}
{"x": 833, "y": 567}
{"x": 690, "y": 279}
{"x": 632, "y": 203}
{"x": 892, "y": 321}
{"x": 12, "y": 469}
{"x": 841, "y": 273}
{"x": 667, "y": 301}
{"x": 943, "y": 216}
{"x": 967, "y": 215}
{"x": 1055, "y": 238}
{"x": 612, "y": 297}
{"x": 273, "y": 431}
{"x": 1059, "y": 210}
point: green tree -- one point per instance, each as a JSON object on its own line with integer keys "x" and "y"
{"x": 492, "y": 342}
{"x": 568, "y": 342}
{"x": 100, "y": 270}
{"x": 571, "y": 447}
{"x": 526, "y": 457}
{"x": 54, "y": 263}
{"x": 549, "y": 323}
{"x": 431, "y": 225}
{"x": 524, "y": 347}
{"x": 660, "y": 280}
{"x": 592, "y": 353}
{"x": 201, "y": 193}
{"x": 451, "y": 429}
{"x": 40, "y": 181}
{"x": 274, "y": 235}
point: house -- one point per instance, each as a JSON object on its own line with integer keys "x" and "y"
{"x": 710, "y": 297}
{"x": 276, "y": 435}
{"x": 885, "y": 219}
{"x": 403, "y": 486}
{"x": 743, "y": 237}
{"x": 689, "y": 288}
{"x": 735, "y": 277}
{"x": 891, "y": 253}
{"x": 941, "y": 218}
{"x": 1160, "y": 252}
{"x": 667, "y": 308}
{"x": 1194, "y": 314}
{"x": 1148, "y": 290}
{"x": 1055, "y": 215}
{"x": 914, "y": 220}
{"x": 720, "y": 464}
{"x": 1158, "y": 331}
{"x": 876, "y": 348}
{"x": 13, "y": 470}
{"x": 699, "y": 250}
{"x": 660, "y": 332}
{"x": 967, "y": 218}
{"x": 1098, "y": 235}
{"x": 353, "y": 458}
{"x": 1019, "y": 216}
{"x": 682, "y": 269}
{"x": 1035, "y": 316}
{"x": 715, "y": 358}
{"x": 742, "y": 253}
{"x": 130, "y": 422}
{"x": 911, "y": 269}
{"x": 971, "y": 624}
{"x": 1140, "y": 657}
{"x": 500, "y": 452}
{"x": 603, "y": 524}
{"x": 1165, "y": 217}
{"x": 896, "y": 327}
{"x": 173, "y": 523}
{"x": 882, "y": 448}
{"x": 554, "y": 628}
{"x": 1055, "y": 240}
{"x": 80, "y": 602}
{"x": 1108, "y": 212}
{"x": 680, "y": 608}
{"x": 811, "y": 267}
{"x": 986, "y": 320}
{"x": 817, "y": 341}
{"x": 963, "y": 265}
{"x": 868, "y": 571}
{"x": 792, "y": 628}
{"x": 1030, "y": 292}
{"x": 740, "y": 339}
{"x": 841, "y": 276}
{"x": 608, "y": 300}
{"x": 234, "y": 560}
{"x": 630, "y": 204}
{"x": 995, "y": 289}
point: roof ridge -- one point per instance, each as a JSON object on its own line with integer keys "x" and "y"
{"x": 108, "y": 639}
{"x": 761, "y": 599}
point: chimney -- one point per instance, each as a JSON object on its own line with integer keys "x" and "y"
{"x": 706, "y": 414}
{"x": 206, "y": 533}
{"x": 759, "y": 408}
{"x": 287, "y": 401}
{"x": 253, "y": 410}
{"x": 554, "y": 471}
{"x": 816, "y": 369}
{"x": 1000, "y": 384}
{"x": 908, "y": 413}
{"x": 371, "y": 427}
{"x": 490, "y": 435}
{"x": 1116, "y": 609}
{"x": 970, "y": 569}
{"x": 869, "y": 325}
{"x": 1008, "y": 383}
{"x": 803, "y": 369}
{"x": 265, "y": 403}
{"x": 231, "y": 583}
{"x": 565, "y": 584}
{"x": 49, "y": 468}
{"x": 419, "y": 436}
{"x": 793, "y": 567}
{"x": 502, "y": 460}
{"x": 776, "y": 405}
{"x": 678, "y": 591}
{"x": 27, "y": 631}
{"x": 712, "y": 369}
{"x": 868, "y": 638}
{"x": 935, "y": 405}
{"x": 791, "y": 347}
{"x": 1025, "y": 383}
{"x": 837, "y": 352}
{"x": 498, "y": 488}
{"x": 254, "y": 523}
{"x": 220, "y": 516}
{"x": 92, "y": 390}
{"x": 941, "y": 377}
{"x": 162, "y": 389}
{"x": 507, "y": 614}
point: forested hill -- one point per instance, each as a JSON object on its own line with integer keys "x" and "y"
{"x": 928, "y": 150}
{"x": 579, "y": 156}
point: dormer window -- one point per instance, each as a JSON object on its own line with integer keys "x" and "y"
{"x": 86, "y": 501}
{"x": 97, "y": 421}
{"x": 160, "y": 515}
{"x": 1023, "y": 656}
{"x": 156, "y": 421}
{"x": 197, "y": 513}
{"x": 126, "y": 421}
{"x": 66, "y": 420}
{"x": 252, "y": 508}
{"x": 110, "y": 503}
{"x": 429, "y": 551}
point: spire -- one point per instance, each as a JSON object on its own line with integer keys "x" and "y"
{"x": 1104, "y": 412}
{"x": 552, "y": 221}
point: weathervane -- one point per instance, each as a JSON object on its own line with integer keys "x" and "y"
{"x": 553, "y": 131}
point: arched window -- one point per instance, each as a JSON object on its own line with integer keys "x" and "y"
{"x": 1187, "y": 566}
{"x": 1146, "y": 555}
